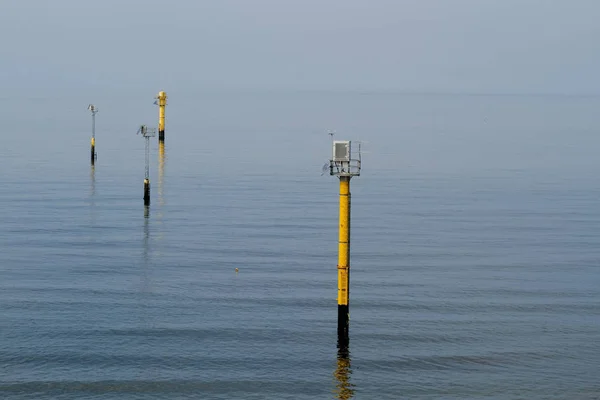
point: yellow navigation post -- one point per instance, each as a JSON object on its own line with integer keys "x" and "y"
{"x": 344, "y": 167}
{"x": 343, "y": 267}
{"x": 161, "y": 100}
{"x": 93, "y": 109}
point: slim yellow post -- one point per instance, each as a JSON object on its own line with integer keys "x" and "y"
{"x": 162, "y": 102}
{"x": 93, "y": 109}
{"x": 344, "y": 167}
{"x": 93, "y": 150}
{"x": 343, "y": 266}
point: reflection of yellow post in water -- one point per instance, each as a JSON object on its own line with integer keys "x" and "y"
{"x": 344, "y": 389}
{"x": 93, "y": 195}
{"x": 146, "y": 229}
{"x": 146, "y": 243}
{"x": 93, "y": 180}
{"x": 145, "y": 265}
{"x": 344, "y": 167}
{"x": 161, "y": 198}
{"x": 162, "y": 102}
{"x": 161, "y": 171}
{"x": 145, "y": 280}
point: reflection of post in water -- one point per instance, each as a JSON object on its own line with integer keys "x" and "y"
{"x": 93, "y": 195}
{"x": 146, "y": 233}
{"x": 161, "y": 171}
{"x": 92, "y": 181}
{"x": 145, "y": 253}
{"x": 146, "y": 279}
{"x": 344, "y": 389}
{"x": 145, "y": 312}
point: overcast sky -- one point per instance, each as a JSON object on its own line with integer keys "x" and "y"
{"x": 482, "y": 46}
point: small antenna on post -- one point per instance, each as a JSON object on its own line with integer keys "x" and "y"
{"x": 327, "y": 165}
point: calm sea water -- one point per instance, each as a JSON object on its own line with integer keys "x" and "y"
{"x": 475, "y": 249}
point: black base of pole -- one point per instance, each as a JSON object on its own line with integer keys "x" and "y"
{"x": 343, "y": 326}
{"x": 146, "y": 193}
{"x": 93, "y": 155}
{"x": 161, "y": 136}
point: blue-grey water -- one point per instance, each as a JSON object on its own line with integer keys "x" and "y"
{"x": 475, "y": 248}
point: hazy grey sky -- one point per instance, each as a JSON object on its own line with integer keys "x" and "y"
{"x": 523, "y": 46}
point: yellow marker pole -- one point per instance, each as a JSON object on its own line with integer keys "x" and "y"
{"x": 93, "y": 150}
{"x": 93, "y": 110}
{"x": 343, "y": 266}
{"x": 162, "y": 102}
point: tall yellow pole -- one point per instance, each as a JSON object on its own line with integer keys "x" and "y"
{"x": 93, "y": 110}
{"x": 162, "y": 102}
{"x": 343, "y": 266}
